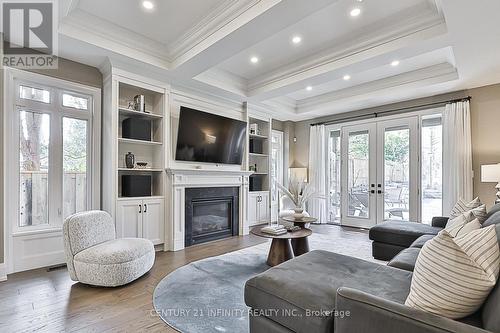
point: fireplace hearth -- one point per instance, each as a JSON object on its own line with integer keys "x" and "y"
{"x": 211, "y": 214}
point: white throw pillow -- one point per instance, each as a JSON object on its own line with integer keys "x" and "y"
{"x": 462, "y": 206}
{"x": 454, "y": 226}
{"x": 468, "y": 227}
{"x": 462, "y": 225}
{"x": 453, "y": 276}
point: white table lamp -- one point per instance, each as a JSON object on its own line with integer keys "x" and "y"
{"x": 490, "y": 173}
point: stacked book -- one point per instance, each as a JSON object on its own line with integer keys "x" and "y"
{"x": 275, "y": 230}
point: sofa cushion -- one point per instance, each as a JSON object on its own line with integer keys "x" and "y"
{"x": 406, "y": 259}
{"x": 492, "y": 219}
{"x": 309, "y": 283}
{"x": 401, "y": 233}
{"x": 420, "y": 241}
{"x": 493, "y": 210}
{"x": 491, "y": 309}
{"x": 116, "y": 251}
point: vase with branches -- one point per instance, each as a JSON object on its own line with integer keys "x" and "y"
{"x": 299, "y": 192}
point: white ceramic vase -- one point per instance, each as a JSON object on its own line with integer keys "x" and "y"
{"x": 298, "y": 213}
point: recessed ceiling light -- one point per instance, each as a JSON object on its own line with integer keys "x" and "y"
{"x": 355, "y": 12}
{"x": 360, "y": 0}
{"x": 395, "y": 63}
{"x": 254, "y": 60}
{"x": 296, "y": 39}
{"x": 148, "y": 5}
{"x": 347, "y": 77}
{"x": 309, "y": 88}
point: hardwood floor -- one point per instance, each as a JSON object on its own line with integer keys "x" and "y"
{"x": 48, "y": 301}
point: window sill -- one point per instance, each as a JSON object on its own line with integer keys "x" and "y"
{"x": 48, "y": 230}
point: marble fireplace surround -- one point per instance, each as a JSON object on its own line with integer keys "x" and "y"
{"x": 180, "y": 179}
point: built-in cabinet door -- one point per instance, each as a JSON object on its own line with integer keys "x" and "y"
{"x": 153, "y": 220}
{"x": 129, "y": 218}
{"x": 264, "y": 209}
{"x": 253, "y": 208}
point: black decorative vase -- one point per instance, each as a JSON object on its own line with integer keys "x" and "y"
{"x": 129, "y": 160}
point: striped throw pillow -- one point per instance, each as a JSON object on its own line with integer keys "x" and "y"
{"x": 457, "y": 226}
{"x": 453, "y": 276}
{"x": 480, "y": 213}
{"x": 462, "y": 206}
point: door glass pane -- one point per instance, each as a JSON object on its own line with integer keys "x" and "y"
{"x": 432, "y": 168}
{"x": 76, "y": 102}
{"x": 334, "y": 176}
{"x": 35, "y": 94}
{"x": 396, "y": 173}
{"x": 358, "y": 174}
{"x": 75, "y": 165}
{"x": 34, "y": 136}
{"x": 276, "y": 165}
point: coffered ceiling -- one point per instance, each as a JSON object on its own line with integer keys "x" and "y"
{"x": 299, "y": 59}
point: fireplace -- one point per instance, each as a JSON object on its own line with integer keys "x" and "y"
{"x": 211, "y": 213}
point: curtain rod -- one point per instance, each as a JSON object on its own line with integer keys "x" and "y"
{"x": 400, "y": 110}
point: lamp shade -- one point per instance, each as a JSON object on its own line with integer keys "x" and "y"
{"x": 490, "y": 173}
{"x": 299, "y": 174}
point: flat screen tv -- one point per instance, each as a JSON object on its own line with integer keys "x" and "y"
{"x": 206, "y": 137}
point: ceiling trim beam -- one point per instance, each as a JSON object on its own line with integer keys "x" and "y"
{"x": 431, "y": 75}
{"x": 346, "y": 55}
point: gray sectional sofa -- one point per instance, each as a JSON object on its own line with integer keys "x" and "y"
{"x": 327, "y": 292}
{"x": 409, "y": 237}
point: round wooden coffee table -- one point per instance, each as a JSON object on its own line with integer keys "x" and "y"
{"x": 281, "y": 249}
{"x": 300, "y": 245}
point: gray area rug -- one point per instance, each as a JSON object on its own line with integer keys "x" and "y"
{"x": 207, "y": 295}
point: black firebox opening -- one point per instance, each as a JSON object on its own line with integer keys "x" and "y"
{"x": 211, "y": 213}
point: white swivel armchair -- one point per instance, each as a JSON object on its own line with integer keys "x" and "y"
{"x": 94, "y": 256}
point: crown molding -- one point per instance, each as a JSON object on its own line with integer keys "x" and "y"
{"x": 210, "y": 35}
{"x": 82, "y": 26}
{"x": 282, "y": 108}
{"x": 215, "y": 20}
{"x": 224, "y": 80}
{"x": 194, "y": 98}
{"x": 371, "y": 43}
{"x": 431, "y": 75}
{"x": 223, "y": 20}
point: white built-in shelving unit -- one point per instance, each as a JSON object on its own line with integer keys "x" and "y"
{"x": 135, "y": 216}
{"x": 259, "y": 161}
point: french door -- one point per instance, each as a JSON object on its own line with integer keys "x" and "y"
{"x": 52, "y": 166}
{"x": 379, "y": 172}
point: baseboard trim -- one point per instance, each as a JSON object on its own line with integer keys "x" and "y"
{"x": 3, "y": 272}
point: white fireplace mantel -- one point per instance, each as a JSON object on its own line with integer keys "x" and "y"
{"x": 180, "y": 179}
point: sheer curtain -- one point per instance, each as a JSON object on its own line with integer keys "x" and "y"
{"x": 317, "y": 172}
{"x": 457, "y": 155}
